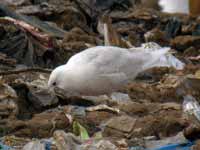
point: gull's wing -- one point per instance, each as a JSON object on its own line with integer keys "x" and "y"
{"x": 114, "y": 60}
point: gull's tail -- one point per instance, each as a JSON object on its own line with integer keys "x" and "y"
{"x": 159, "y": 57}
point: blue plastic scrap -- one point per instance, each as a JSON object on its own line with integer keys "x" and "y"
{"x": 4, "y": 147}
{"x": 47, "y": 145}
{"x": 184, "y": 146}
{"x": 137, "y": 148}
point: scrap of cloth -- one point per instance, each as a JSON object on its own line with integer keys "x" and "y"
{"x": 105, "y": 69}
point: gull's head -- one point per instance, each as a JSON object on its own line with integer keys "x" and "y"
{"x": 61, "y": 81}
{"x": 56, "y": 78}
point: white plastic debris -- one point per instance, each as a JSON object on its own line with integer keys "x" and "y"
{"x": 157, "y": 144}
{"x": 100, "y": 145}
{"x": 191, "y": 107}
{"x": 35, "y": 145}
{"x": 174, "y": 6}
{"x": 117, "y": 96}
{"x": 66, "y": 141}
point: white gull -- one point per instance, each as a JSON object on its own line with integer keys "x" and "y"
{"x": 105, "y": 69}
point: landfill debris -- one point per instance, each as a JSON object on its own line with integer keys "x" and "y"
{"x": 185, "y": 146}
{"x": 66, "y": 140}
{"x": 174, "y": 140}
{"x": 4, "y": 147}
{"x": 102, "y": 107}
{"x": 156, "y": 35}
{"x": 173, "y": 27}
{"x": 192, "y": 108}
{"x": 100, "y": 145}
{"x": 191, "y": 111}
{"x": 195, "y": 58}
{"x": 111, "y": 37}
{"x": 182, "y": 42}
{"x": 196, "y": 145}
{"x": 192, "y": 132}
{"x": 136, "y": 148}
{"x": 117, "y": 96}
{"x": 149, "y": 112}
{"x": 5, "y": 11}
{"x": 120, "y": 126}
{"x": 79, "y": 130}
{"x": 176, "y": 6}
{"x": 34, "y": 146}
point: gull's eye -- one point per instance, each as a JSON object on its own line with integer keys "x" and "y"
{"x": 54, "y": 84}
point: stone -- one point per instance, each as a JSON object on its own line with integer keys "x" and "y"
{"x": 185, "y": 41}
{"x": 121, "y": 124}
{"x": 40, "y": 125}
{"x": 40, "y": 96}
{"x": 8, "y": 106}
{"x": 196, "y": 146}
{"x": 156, "y": 35}
{"x": 192, "y": 132}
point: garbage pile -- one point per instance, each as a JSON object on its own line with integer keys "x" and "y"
{"x": 158, "y": 111}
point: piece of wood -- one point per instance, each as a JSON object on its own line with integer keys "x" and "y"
{"x": 194, "y": 7}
